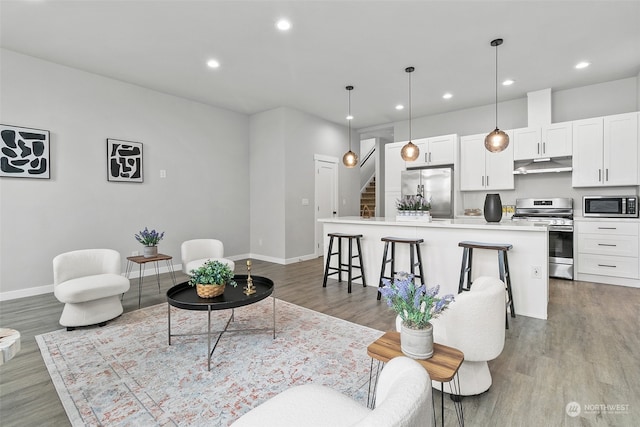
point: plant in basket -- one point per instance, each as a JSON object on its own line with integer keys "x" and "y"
{"x": 211, "y": 278}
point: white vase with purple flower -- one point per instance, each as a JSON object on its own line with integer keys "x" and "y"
{"x": 150, "y": 240}
{"x": 415, "y": 306}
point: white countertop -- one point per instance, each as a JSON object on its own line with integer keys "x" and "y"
{"x": 471, "y": 223}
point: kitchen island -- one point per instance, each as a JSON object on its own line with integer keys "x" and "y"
{"x": 442, "y": 257}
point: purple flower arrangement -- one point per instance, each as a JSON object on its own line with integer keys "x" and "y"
{"x": 149, "y": 238}
{"x": 416, "y": 305}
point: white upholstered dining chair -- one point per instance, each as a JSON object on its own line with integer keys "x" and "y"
{"x": 196, "y": 252}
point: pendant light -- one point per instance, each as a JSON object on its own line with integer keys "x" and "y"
{"x": 410, "y": 151}
{"x": 350, "y": 159}
{"x": 497, "y": 140}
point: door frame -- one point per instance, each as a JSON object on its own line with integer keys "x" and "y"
{"x": 318, "y": 159}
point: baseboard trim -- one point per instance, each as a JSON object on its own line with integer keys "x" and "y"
{"x": 48, "y": 289}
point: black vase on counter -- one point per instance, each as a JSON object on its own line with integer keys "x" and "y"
{"x": 492, "y": 208}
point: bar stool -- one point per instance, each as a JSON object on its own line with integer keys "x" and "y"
{"x": 503, "y": 269}
{"x": 344, "y": 267}
{"x": 414, "y": 245}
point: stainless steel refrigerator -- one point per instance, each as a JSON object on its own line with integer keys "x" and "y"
{"x": 435, "y": 184}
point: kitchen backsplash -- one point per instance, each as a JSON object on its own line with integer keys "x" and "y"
{"x": 543, "y": 185}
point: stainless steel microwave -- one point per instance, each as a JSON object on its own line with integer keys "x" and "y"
{"x": 610, "y": 206}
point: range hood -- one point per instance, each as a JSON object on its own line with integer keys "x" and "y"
{"x": 546, "y": 165}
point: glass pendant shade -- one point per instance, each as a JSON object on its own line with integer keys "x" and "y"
{"x": 350, "y": 159}
{"x": 496, "y": 141}
{"x": 410, "y": 152}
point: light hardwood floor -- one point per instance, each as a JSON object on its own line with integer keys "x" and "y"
{"x": 588, "y": 351}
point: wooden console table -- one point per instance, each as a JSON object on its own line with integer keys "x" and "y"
{"x": 442, "y": 366}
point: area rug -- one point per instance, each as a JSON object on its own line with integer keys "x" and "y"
{"x": 126, "y": 373}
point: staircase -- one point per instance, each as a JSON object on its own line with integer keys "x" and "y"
{"x": 368, "y": 197}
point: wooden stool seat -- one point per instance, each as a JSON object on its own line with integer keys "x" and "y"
{"x": 414, "y": 246}
{"x": 342, "y": 266}
{"x": 503, "y": 269}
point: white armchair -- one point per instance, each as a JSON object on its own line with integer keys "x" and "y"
{"x": 89, "y": 282}
{"x": 474, "y": 324}
{"x": 403, "y": 400}
{"x": 198, "y": 251}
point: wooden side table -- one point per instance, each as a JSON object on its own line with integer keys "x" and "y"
{"x": 142, "y": 262}
{"x": 442, "y": 366}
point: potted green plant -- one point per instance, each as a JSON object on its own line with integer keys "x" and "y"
{"x": 416, "y": 306}
{"x": 210, "y": 279}
{"x": 150, "y": 240}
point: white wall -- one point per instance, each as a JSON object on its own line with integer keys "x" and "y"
{"x": 285, "y": 226}
{"x": 267, "y": 185}
{"x": 203, "y": 149}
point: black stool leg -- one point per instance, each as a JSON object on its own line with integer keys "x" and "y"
{"x": 350, "y": 264}
{"x": 364, "y": 281}
{"x": 384, "y": 264}
{"x": 326, "y": 268}
{"x": 339, "y": 259}
{"x": 393, "y": 261}
{"x": 412, "y": 261}
{"x": 420, "y": 264}
{"x": 463, "y": 269}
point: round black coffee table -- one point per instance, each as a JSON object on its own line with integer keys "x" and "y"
{"x": 185, "y": 297}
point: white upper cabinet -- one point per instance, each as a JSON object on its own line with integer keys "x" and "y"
{"x": 605, "y": 151}
{"x": 437, "y": 150}
{"x": 483, "y": 170}
{"x": 393, "y": 166}
{"x": 539, "y": 142}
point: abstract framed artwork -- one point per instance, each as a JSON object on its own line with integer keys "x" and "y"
{"x": 124, "y": 161}
{"x": 24, "y": 152}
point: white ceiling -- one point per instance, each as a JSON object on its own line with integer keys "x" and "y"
{"x": 163, "y": 45}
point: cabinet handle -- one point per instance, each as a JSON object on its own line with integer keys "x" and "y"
{"x": 606, "y": 244}
{"x": 606, "y": 265}
{"x": 599, "y": 175}
{"x": 483, "y": 180}
{"x": 607, "y": 174}
{"x": 538, "y": 148}
{"x": 607, "y": 228}
{"x": 426, "y": 158}
{"x": 544, "y": 147}
{"x": 429, "y": 156}
{"x": 487, "y": 180}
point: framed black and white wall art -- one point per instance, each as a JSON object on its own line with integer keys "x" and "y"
{"x": 124, "y": 161}
{"x": 24, "y": 152}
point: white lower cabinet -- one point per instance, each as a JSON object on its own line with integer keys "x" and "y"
{"x": 607, "y": 248}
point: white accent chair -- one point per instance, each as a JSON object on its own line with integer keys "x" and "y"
{"x": 403, "y": 400}
{"x": 196, "y": 252}
{"x": 89, "y": 283}
{"x": 474, "y": 324}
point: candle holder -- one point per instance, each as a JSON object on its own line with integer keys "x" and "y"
{"x": 249, "y": 289}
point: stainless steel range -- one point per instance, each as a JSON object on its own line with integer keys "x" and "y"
{"x": 557, "y": 213}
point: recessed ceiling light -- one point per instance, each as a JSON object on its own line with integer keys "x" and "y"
{"x": 581, "y": 65}
{"x": 399, "y": 107}
{"x": 508, "y": 82}
{"x": 349, "y": 117}
{"x": 447, "y": 96}
{"x": 212, "y": 63}
{"x": 283, "y": 25}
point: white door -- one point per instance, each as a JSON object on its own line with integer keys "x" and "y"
{"x": 326, "y": 195}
